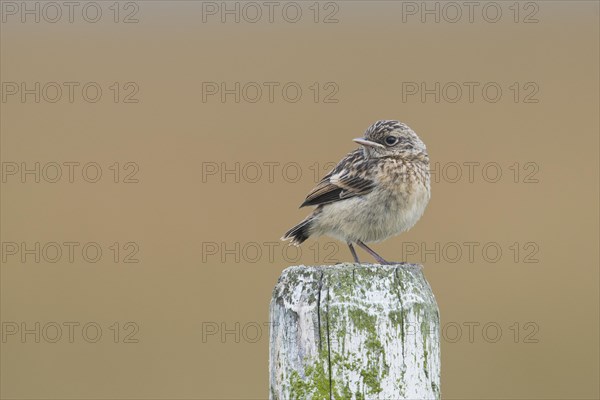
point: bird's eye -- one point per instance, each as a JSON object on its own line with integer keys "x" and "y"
{"x": 391, "y": 140}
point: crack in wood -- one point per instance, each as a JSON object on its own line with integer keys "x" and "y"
{"x": 319, "y": 311}
{"x": 329, "y": 350}
{"x": 399, "y": 293}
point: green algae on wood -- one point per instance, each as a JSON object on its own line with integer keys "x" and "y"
{"x": 354, "y": 331}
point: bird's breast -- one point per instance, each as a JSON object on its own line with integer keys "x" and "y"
{"x": 386, "y": 211}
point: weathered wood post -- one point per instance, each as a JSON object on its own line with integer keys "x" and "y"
{"x": 354, "y": 331}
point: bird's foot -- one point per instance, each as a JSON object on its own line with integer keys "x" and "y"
{"x": 384, "y": 262}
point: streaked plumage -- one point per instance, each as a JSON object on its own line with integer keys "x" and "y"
{"x": 379, "y": 190}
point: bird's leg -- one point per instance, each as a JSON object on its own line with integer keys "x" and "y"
{"x": 377, "y": 257}
{"x": 356, "y": 260}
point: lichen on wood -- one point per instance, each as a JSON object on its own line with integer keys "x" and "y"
{"x": 354, "y": 331}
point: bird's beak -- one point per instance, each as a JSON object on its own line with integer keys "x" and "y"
{"x": 368, "y": 143}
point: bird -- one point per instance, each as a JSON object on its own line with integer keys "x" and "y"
{"x": 379, "y": 190}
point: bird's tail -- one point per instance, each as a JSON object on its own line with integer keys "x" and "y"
{"x": 299, "y": 233}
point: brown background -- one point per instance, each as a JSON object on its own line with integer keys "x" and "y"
{"x": 176, "y": 289}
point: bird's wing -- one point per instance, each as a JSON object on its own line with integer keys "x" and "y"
{"x": 348, "y": 179}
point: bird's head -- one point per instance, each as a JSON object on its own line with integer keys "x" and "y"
{"x": 391, "y": 138}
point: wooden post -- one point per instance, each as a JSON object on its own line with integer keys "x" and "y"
{"x": 353, "y": 331}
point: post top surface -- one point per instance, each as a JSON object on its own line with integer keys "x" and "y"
{"x": 344, "y": 267}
